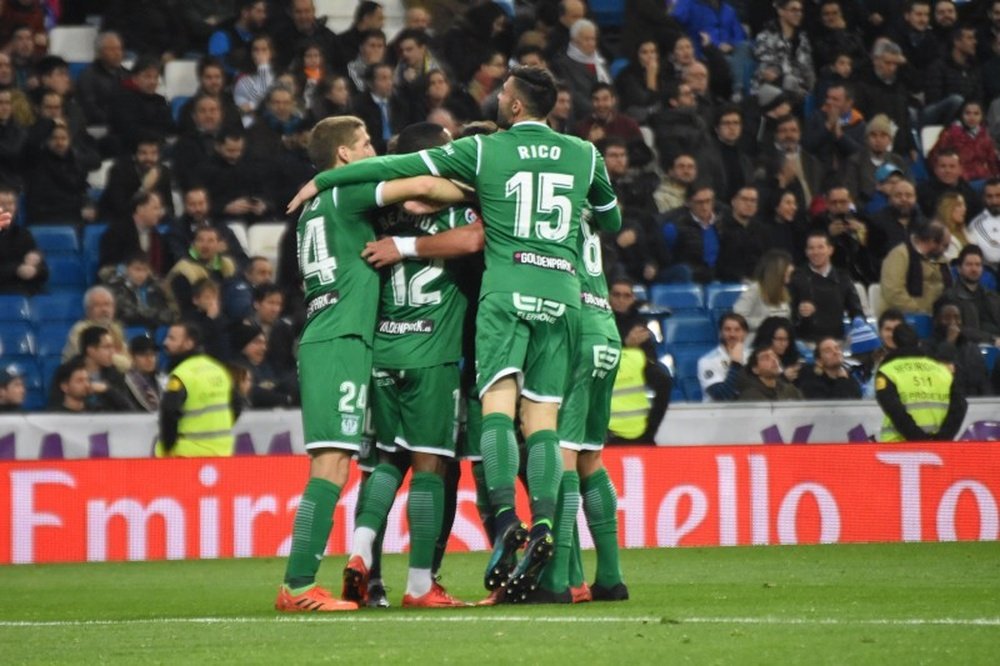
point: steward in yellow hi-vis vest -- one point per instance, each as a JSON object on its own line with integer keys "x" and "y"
{"x": 917, "y": 394}
{"x": 629, "y": 403}
{"x": 200, "y": 403}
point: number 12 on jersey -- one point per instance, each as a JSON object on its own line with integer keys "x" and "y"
{"x": 541, "y": 198}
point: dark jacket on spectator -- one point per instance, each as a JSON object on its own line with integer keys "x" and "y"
{"x": 874, "y": 95}
{"x": 833, "y": 296}
{"x": 971, "y": 375}
{"x": 366, "y": 109}
{"x": 124, "y": 181}
{"x": 97, "y": 88}
{"x": 141, "y": 305}
{"x": 980, "y": 312}
{"x": 121, "y": 241}
{"x": 931, "y": 190}
{"x": 135, "y": 113}
{"x": 56, "y": 188}
{"x": 817, "y": 385}
{"x": 15, "y": 242}
{"x": 948, "y": 77}
{"x": 886, "y": 232}
{"x": 740, "y": 248}
{"x": 13, "y": 140}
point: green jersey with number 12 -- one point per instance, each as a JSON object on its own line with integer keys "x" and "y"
{"x": 341, "y": 288}
{"x": 532, "y": 183}
{"x": 422, "y": 308}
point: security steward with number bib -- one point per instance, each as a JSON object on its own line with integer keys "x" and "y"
{"x": 201, "y": 402}
{"x": 917, "y": 394}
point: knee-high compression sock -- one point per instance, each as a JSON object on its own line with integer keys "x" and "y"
{"x": 483, "y": 500}
{"x": 313, "y": 522}
{"x": 376, "y": 502}
{"x": 576, "y": 578}
{"x": 424, "y": 511}
{"x": 556, "y": 575}
{"x": 544, "y": 476}
{"x": 600, "y": 504}
{"x": 500, "y": 461}
{"x": 451, "y": 475}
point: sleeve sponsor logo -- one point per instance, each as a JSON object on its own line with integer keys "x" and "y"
{"x": 321, "y": 302}
{"x": 595, "y": 301}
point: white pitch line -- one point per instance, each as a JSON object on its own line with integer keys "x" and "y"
{"x": 351, "y": 618}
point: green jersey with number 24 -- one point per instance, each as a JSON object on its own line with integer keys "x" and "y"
{"x": 532, "y": 183}
{"x": 341, "y": 288}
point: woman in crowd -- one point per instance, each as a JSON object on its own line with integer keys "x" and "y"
{"x": 778, "y": 334}
{"x": 309, "y": 70}
{"x": 332, "y": 98}
{"x": 951, "y": 211}
{"x": 439, "y": 93}
{"x": 251, "y": 86}
{"x": 767, "y": 296}
{"x": 640, "y": 84}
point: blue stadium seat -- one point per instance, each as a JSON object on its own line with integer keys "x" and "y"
{"x": 640, "y": 292}
{"x": 607, "y": 13}
{"x": 56, "y": 239}
{"x": 135, "y": 331}
{"x": 990, "y": 354}
{"x": 29, "y": 371}
{"x": 51, "y": 338}
{"x": 921, "y": 323}
{"x": 721, "y": 296}
{"x": 14, "y": 308}
{"x": 57, "y": 307}
{"x": 92, "y": 249}
{"x": 66, "y": 273}
{"x": 677, "y": 297}
{"x": 48, "y": 365}
{"x": 692, "y": 389}
{"x": 686, "y": 360}
{"x": 689, "y": 330}
{"x": 17, "y": 342}
{"x": 34, "y": 400}
{"x": 175, "y": 106}
{"x": 76, "y": 69}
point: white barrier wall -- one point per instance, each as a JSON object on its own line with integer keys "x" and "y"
{"x": 58, "y": 436}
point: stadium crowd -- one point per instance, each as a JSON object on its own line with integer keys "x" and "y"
{"x": 818, "y": 152}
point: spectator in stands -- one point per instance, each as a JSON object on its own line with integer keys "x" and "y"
{"x": 197, "y": 214}
{"x": 23, "y": 56}
{"x": 143, "y": 381}
{"x": 238, "y": 291}
{"x": 786, "y": 165}
{"x": 944, "y": 20}
{"x": 822, "y": 295}
{"x": 836, "y": 130}
{"x": 955, "y": 78}
{"x": 234, "y": 180}
{"x": 683, "y": 56}
{"x": 949, "y": 345}
{"x": 951, "y": 210}
{"x": 440, "y": 94}
{"x": 886, "y": 177}
{"x": 859, "y": 174}
{"x": 303, "y": 29}
{"x": 881, "y": 91}
{"x": 767, "y": 295}
{"x": 53, "y": 75}
{"x": 99, "y": 310}
{"x": 138, "y": 108}
{"x": 604, "y": 120}
{"x": 979, "y": 305}
{"x": 22, "y": 265}
{"x": 142, "y": 171}
{"x": 714, "y": 23}
{"x": 196, "y": 146}
{"x": 969, "y": 137}
{"x": 887, "y": 323}
{"x": 147, "y": 26}
{"x": 696, "y": 77}
{"x": 52, "y": 109}
{"x": 727, "y": 164}
{"x": 415, "y": 61}
{"x": 653, "y": 376}
{"x": 474, "y": 37}
{"x": 681, "y": 174}
{"x": 203, "y": 261}
{"x": 947, "y": 177}
{"x": 919, "y": 49}
{"x": 696, "y": 248}
{"x": 641, "y": 83}
{"x": 894, "y": 224}
{"x": 849, "y": 233}
{"x": 987, "y": 35}
{"x": 138, "y": 232}
{"x": 201, "y": 18}
{"x": 984, "y": 230}
{"x": 384, "y": 111}
{"x": 277, "y": 120}
{"x": 231, "y": 42}
{"x": 559, "y": 37}
{"x": 828, "y": 378}
{"x": 56, "y": 180}
{"x": 71, "y": 388}
{"x": 990, "y": 71}
{"x": 914, "y": 274}
{"x": 21, "y": 105}
{"x": 268, "y": 390}
{"x": 211, "y": 83}
{"x": 834, "y": 37}
{"x": 208, "y": 316}
{"x": 763, "y": 380}
{"x": 372, "y": 51}
{"x": 13, "y": 139}
{"x": 742, "y": 238}
{"x": 784, "y": 54}
{"x": 268, "y": 304}
{"x": 309, "y": 69}
{"x": 368, "y": 16}
{"x": 252, "y": 84}
{"x": 581, "y": 65}
{"x": 108, "y": 391}
{"x": 99, "y": 82}
{"x": 786, "y": 228}
{"x": 778, "y": 334}
{"x": 332, "y": 98}
{"x": 678, "y": 127}
{"x": 139, "y": 298}
{"x": 720, "y": 370}
{"x": 12, "y": 390}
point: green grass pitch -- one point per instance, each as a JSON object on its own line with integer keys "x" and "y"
{"x": 847, "y": 604}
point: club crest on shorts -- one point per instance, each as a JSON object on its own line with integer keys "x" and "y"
{"x": 350, "y": 423}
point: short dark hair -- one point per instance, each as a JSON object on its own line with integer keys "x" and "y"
{"x": 756, "y": 354}
{"x": 941, "y": 303}
{"x": 697, "y": 186}
{"x": 141, "y": 198}
{"x": 734, "y": 316}
{"x": 910, "y": 4}
{"x": 890, "y": 314}
{"x": 956, "y": 33}
{"x": 613, "y": 142}
{"x": 947, "y": 152}
{"x": 727, "y": 109}
{"x": 145, "y": 62}
{"x": 207, "y": 61}
{"x": 366, "y": 8}
{"x": 263, "y": 290}
{"x": 537, "y": 50}
{"x": 373, "y": 68}
{"x": 905, "y": 336}
{"x": 537, "y": 89}
{"x": 416, "y": 34}
{"x": 203, "y": 285}
{"x": 971, "y": 248}
{"x": 369, "y": 34}
{"x": 992, "y": 182}
{"x": 933, "y": 231}
{"x": 192, "y": 330}
{"x": 49, "y": 64}
{"x": 601, "y": 85}
{"x": 819, "y": 233}
{"x": 64, "y": 372}
{"x": 420, "y": 136}
{"x": 91, "y": 337}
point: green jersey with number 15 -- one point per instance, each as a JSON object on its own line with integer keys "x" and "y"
{"x": 422, "y": 308}
{"x": 341, "y": 288}
{"x": 532, "y": 183}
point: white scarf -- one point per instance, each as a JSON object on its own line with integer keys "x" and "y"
{"x": 595, "y": 59}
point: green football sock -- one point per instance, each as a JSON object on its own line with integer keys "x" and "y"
{"x": 424, "y": 510}
{"x": 378, "y": 495}
{"x": 556, "y": 575}
{"x": 576, "y": 578}
{"x": 483, "y": 499}
{"x": 600, "y": 504}
{"x": 544, "y": 475}
{"x": 500, "y": 460}
{"x": 451, "y": 476}
{"x": 313, "y": 522}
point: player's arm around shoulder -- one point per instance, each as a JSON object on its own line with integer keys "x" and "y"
{"x": 451, "y": 244}
{"x": 426, "y": 188}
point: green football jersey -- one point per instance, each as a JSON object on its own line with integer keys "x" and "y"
{"x": 596, "y": 316}
{"x": 341, "y": 288}
{"x": 422, "y": 309}
{"x": 532, "y": 183}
